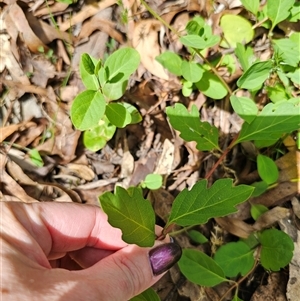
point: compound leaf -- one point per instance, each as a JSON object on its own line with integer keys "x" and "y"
{"x": 198, "y": 205}
{"x": 191, "y": 128}
{"x": 276, "y": 249}
{"x": 199, "y": 268}
{"x": 235, "y": 258}
{"x": 129, "y": 211}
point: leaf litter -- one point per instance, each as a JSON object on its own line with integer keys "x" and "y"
{"x": 39, "y": 63}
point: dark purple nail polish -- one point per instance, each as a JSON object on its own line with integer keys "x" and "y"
{"x": 163, "y": 257}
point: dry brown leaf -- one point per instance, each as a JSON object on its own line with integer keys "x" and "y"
{"x": 81, "y": 171}
{"x": 45, "y": 32}
{"x": 86, "y": 12}
{"x": 162, "y": 201}
{"x": 57, "y": 6}
{"x": 165, "y": 162}
{"x": 16, "y": 16}
{"x": 270, "y": 217}
{"x": 235, "y": 226}
{"x": 274, "y": 290}
{"x": 146, "y": 43}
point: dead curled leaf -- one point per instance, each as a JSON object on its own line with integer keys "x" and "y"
{"x": 16, "y": 16}
{"x": 146, "y": 43}
{"x": 270, "y": 217}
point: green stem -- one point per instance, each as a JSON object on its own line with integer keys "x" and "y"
{"x": 174, "y": 233}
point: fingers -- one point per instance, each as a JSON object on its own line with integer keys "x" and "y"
{"x": 131, "y": 270}
{"x": 63, "y": 227}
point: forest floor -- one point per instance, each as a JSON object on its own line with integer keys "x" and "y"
{"x": 41, "y": 45}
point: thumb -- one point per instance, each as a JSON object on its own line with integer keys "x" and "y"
{"x": 131, "y": 270}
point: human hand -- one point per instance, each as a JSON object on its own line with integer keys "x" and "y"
{"x": 62, "y": 251}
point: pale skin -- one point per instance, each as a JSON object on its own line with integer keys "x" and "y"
{"x": 55, "y": 251}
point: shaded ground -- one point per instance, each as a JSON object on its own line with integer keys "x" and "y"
{"x": 39, "y": 64}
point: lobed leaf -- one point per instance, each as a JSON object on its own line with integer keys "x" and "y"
{"x": 199, "y": 268}
{"x": 130, "y": 212}
{"x": 198, "y": 205}
{"x": 191, "y": 128}
{"x": 273, "y": 121}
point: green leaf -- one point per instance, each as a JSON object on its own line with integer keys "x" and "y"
{"x": 255, "y": 76}
{"x": 236, "y": 29}
{"x": 171, "y": 61}
{"x": 229, "y": 61}
{"x": 276, "y": 249}
{"x": 199, "y": 42}
{"x": 259, "y": 188}
{"x": 235, "y": 258}
{"x": 35, "y": 157}
{"x": 295, "y": 12}
{"x": 236, "y": 298}
{"x": 96, "y": 138}
{"x": 87, "y": 63}
{"x": 199, "y": 268}
{"x": 287, "y": 51}
{"x": 89, "y": 80}
{"x": 271, "y": 123}
{"x": 87, "y": 109}
{"x": 191, "y": 71}
{"x": 245, "y": 55}
{"x": 277, "y": 93}
{"x": 187, "y": 88}
{"x": 278, "y": 10}
{"x": 191, "y": 128}
{"x": 251, "y": 5}
{"x": 257, "y": 210}
{"x": 211, "y": 86}
{"x": 267, "y": 169}
{"x": 295, "y": 76}
{"x": 134, "y": 113}
{"x": 195, "y": 25}
{"x": 244, "y": 107}
{"x": 147, "y": 295}
{"x": 114, "y": 91}
{"x": 152, "y": 181}
{"x": 129, "y": 211}
{"x": 197, "y": 237}
{"x": 121, "y": 64}
{"x": 198, "y": 205}
{"x": 118, "y": 115}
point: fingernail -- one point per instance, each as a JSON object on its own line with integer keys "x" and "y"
{"x": 163, "y": 257}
